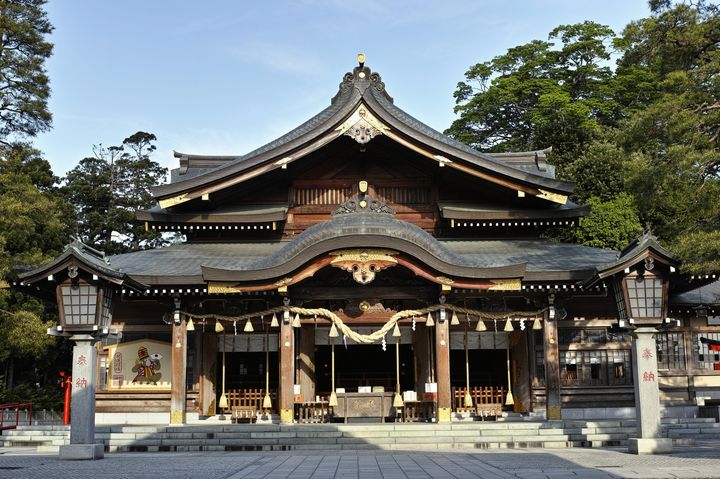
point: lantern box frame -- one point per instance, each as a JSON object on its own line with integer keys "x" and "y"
{"x": 100, "y": 294}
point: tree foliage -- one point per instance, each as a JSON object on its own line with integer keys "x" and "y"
{"x": 33, "y": 218}
{"x": 33, "y": 229}
{"x": 24, "y": 85}
{"x": 107, "y": 189}
{"x": 641, "y": 140}
{"x": 610, "y": 224}
{"x": 538, "y": 94}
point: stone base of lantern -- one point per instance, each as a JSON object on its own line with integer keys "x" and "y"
{"x": 649, "y": 446}
{"x": 80, "y": 452}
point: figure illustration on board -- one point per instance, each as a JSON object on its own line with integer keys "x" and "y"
{"x": 147, "y": 367}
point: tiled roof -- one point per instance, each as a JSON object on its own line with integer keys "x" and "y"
{"x": 704, "y": 295}
{"x": 362, "y": 84}
{"x": 540, "y": 255}
{"x": 186, "y": 260}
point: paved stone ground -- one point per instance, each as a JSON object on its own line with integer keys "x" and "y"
{"x": 701, "y": 461}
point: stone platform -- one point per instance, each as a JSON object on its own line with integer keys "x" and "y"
{"x": 393, "y": 436}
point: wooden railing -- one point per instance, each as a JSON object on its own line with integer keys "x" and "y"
{"x": 487, "y": 400}
{"x": 249, "y": 398}
{"x": 18, "y": 407}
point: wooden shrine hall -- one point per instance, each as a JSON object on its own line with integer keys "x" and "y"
{"x": 365, "y": 267}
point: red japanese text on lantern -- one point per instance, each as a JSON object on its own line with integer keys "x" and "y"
{"x": 81, "y": 383}
{"x": 648, "y": 376}
{"x": 647, "y": 354}
{"x": 82, "y": 360}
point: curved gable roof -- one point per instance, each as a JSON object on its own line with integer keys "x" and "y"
{"x": 362, "y": 86}
{"x": 367, "y": 230}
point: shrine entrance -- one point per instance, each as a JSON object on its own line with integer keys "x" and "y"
{"x": 246, "y": 376}
{"x": 359, "y": 367}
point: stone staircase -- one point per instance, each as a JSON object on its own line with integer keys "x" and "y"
{"x": 398, "y": 436}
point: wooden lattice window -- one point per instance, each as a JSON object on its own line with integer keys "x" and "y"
{"x": 321, "y": 196}
{"x": 403, "y": 195}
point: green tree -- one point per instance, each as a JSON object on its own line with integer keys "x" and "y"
{"x": 108, "y": 188}
{"x": 642, "y": 141}
{"x": 611, "y": 224}
{"x": 33, "y": 219}
{"x": 544, "y": 93}
{"x": 24, "y": 85}
{"x": 598, "y": 172}
{"x": 674, "y": 133}
{"x": 33, "y": 230}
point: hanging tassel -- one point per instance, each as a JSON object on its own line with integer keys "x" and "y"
{"x": 274, "y": 323}
{"x": 454, "y": 321}
{"x": 467, "y": 400}
{"x": 384, "y": 344}
{"x": 537, "y": 324}
{"x": 413, "y": 323}
{"x": 481, "y": 326}
{"x": 190, "y": 325}
{"x": 397, "y": 400}
{"x": 219, "y": 327}
{"x": 429, "y": 323}
{"x": 296, "y": 321}
{"x": 333, "y": 331}
{"x": 396, "y": 331}
{"x": 267, "y": 402}
{"x": 223, "y": 402}
{"x": 509, "y": 400}
{"x": 248, "y": 327}
{"x": 235, "y": 327}
{"x": 332, "y": 401}
{"x": 508, "y": 326}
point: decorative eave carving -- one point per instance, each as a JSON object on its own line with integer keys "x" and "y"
{"x": 362, "y": 126}
{"x": 363, "y": 263}
{"x": 362, "y": 203}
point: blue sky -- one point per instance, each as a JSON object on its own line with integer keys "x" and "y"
{"x": 227, "y": 76}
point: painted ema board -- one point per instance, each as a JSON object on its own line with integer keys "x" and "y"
{"x": 142, "y": 364}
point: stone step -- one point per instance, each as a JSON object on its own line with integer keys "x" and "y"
{"x": 52, "y": 427}
{"x": 396, "y": 436}
{"x": 34, "y": 432}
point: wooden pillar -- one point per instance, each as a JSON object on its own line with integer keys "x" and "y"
{"x": 422, "y": 359}
{"x": 520, "y": 370}
{"x": 552, "y": 370}
{"x": 285, "y": 381}
{"x": 306, "y": 367}
{"x": 442, "y": 361}
{"x": 208, "y": 373}
{"x": 178, "y": 391}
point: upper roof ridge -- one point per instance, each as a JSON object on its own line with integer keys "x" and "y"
{"x": 362, "y": 78}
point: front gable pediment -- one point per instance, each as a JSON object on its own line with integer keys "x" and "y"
{"x": 363, "y": 111}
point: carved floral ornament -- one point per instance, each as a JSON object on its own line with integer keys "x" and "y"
{"x": 363, "y": 263}
{"x": 362, "y": 126}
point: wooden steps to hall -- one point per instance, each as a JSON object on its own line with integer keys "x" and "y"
{"x": 397, "y": 436}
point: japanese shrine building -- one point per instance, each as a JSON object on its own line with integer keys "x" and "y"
{"x": 364, "y": 254}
